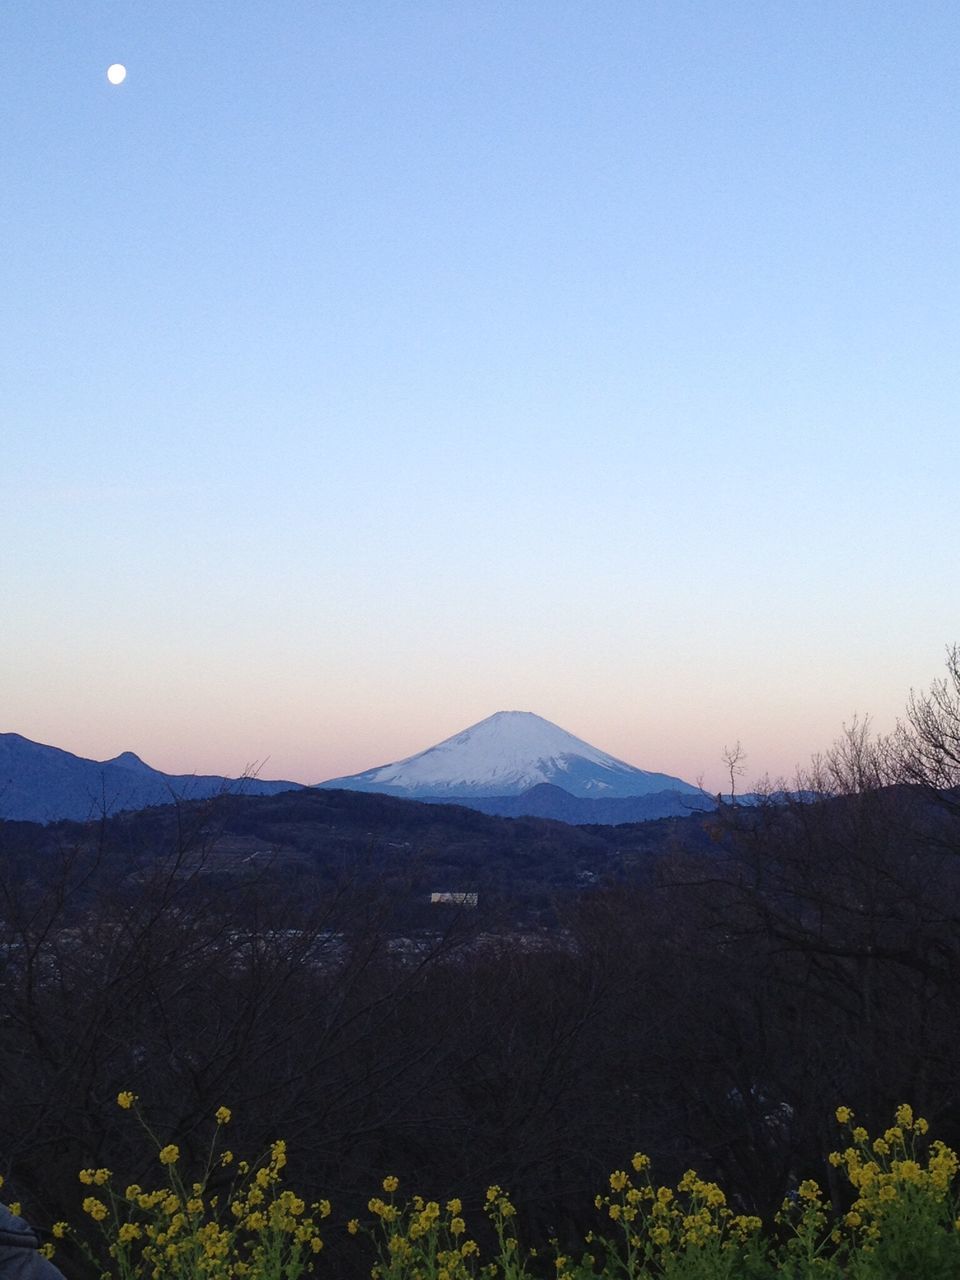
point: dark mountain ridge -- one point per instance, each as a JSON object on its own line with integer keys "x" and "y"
{"x": 39, "y": 783}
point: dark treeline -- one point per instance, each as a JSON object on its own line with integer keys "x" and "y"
{"x": 711, "y": 1010}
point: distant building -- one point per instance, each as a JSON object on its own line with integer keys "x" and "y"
{"x": 454, "y": 899}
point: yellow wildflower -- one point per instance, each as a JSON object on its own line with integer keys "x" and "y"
{"x": 96, "y": 1208}
{"x": 844, "y": 1115}
{"x": 126, "y": 1099}
{"x": 223, "y": 1115}
{"x": 353, "y": 1226}
{"x": 170, "y": 1154}
{"x": 390, "y": 1184}
{"x": 59, "y": 1230}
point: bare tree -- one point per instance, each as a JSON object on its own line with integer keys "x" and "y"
{"x": 734, "y": 758}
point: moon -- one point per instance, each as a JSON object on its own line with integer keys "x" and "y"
{"x": 116, "y": 73}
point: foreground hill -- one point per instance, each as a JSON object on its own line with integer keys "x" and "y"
{"x": 43, "y": 784}
{"x": 324, "y": 840}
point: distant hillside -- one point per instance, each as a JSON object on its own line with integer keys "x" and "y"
{"x": 43, "y": 784}
{"x": 547, "y": 801}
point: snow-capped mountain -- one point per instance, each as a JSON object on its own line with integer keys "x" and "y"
{"x": 507, "y": 754}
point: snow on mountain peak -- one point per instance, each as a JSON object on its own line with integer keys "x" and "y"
{"x": 506, "y": 754}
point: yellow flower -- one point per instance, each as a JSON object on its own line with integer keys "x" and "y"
{"x": 660, "y": 1235}
{"x": 905, "y": 1115}
{"x": 96, "y": 1208}
{"x": 59, "y": 1230}
{"x": 390, "y": 1184}
{"x": 844, "y": 1115}
{"x": 454, "y": 1206}
{"x": 618, "y": 1180}
{"x": 126, "y": 1099}
{"x": 353, "y": 1226}
{"x": 86, "y": 1176}
{"x": 809, "y": 1190}
{"x": 129, "y": 1231}
{"x": 640, "y": 1162}
{"x": 170, "y": 1154}
{"x": 457, "y": 1226}
{"x": 226, "y": 1158}
{"x": 223, "y": 1115}
{"x": 860, "y": 1134}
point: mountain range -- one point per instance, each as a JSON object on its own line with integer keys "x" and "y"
{"x": 513, "y": 764}
{"x": 42, "y": 784}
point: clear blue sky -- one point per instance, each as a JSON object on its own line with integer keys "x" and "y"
{"x": 368, "y": 368}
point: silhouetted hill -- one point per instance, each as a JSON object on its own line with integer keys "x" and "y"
{"x": 549, "y": 801}
{"x": 325, "y": 838}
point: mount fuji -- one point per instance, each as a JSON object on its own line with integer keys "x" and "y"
{"x": 506, "y": 756}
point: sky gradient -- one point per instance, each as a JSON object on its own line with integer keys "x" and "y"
{"x": 372, "y": 367}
